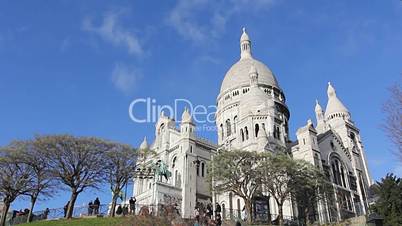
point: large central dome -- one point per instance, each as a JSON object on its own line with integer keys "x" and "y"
{"x": 250, "y": 100}
{"x": 238, "y": 74}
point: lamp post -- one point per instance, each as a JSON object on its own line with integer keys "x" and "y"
{"x": 144, "y": 173}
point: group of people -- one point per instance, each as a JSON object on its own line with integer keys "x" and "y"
{"x": 203, "y": 215}
{"x": 127, "y": 209}
{"x": 23, "y": 214}
{"x": 93, "y": 207}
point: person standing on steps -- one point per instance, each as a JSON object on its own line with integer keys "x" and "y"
{"x": 96, "y": 206}
{"x": 132, "y": 205}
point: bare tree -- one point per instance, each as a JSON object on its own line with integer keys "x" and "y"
{"x": 237, "y": 172}
{"x": 15, "y": 178}
{"x": 393, "y": 120}
{"x": 120, "y": 169}
{"x": 43, "y": 183}
{"x": 77, "y": 162}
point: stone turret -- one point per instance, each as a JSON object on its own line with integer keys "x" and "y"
{"x": 245, "y": 45}
{"x": 335, "y": 108}
{"x": 144, "y": 144}
{"x": 319, "y": 114}
{"x": 187, "y": 127}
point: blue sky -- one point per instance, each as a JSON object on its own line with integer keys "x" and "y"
{"x": 75, "y": 66}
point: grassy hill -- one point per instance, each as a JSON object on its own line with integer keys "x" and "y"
{"x": 118, "y": 221}
{"x": 79, "y": 222}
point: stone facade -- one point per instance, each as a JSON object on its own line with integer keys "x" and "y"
{"x": 186, "y": 157}
{"x": 252, "y": 115}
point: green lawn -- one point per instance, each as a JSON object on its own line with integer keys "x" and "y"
{"x": 106, "y": 221}
{"x": 80, "y": 222}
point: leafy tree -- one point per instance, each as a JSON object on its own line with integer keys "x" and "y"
{"x": 309, "y": 187}
{"x": 15, "y": 178}
{"x": 277, "y": 171}
{"x": 77, "y": 162}
{"x": 389, "y": 199}
{"x": 120, "y": 168}
{"x": 237, "y": 172}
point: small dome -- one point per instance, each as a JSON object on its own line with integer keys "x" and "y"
{"x": 144, "y": 144}
{"x": 317, "y": 106}
{"x": 186, "y": 117}
{"x": 334, "y": 104}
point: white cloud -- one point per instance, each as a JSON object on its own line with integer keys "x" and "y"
{"x": 125, "y": 78}
{"x": 187, "y": 15}
{"x": 110, "y": 30}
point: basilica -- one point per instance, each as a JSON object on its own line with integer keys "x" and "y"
{"x": 252, "y": 115}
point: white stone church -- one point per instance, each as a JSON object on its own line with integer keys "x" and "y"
{"x": 252, "y": 115}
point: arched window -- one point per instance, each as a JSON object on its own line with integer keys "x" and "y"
{"x": 238, "y": 209}
{"x": 278, "y": 132}
{"x": 223, "y": 211}
{"x": 234, "y": 124}
{"x": 230, "y": 204}
{"x": 352, "y": 136}
{"x": 362, "y": 187}
{"x": 354, "y": 140}
{"x": 338, "y": 172}
{"x": 343, "y": 177}
{"x": 246, "y": 131}
{"x": 222, "y": 132}
{"x": 335, "y": 173}
{"x": 316, "y": 160}
{"x": 228, "y": 128}
{"x": 141, "y": 186}
{"x": 332, "y": 145}
{"x": 202, "y": 169}
{"x": 174, "y": 162}
{"x": 257, "y": 128}
{"x": 242, "y": 134}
